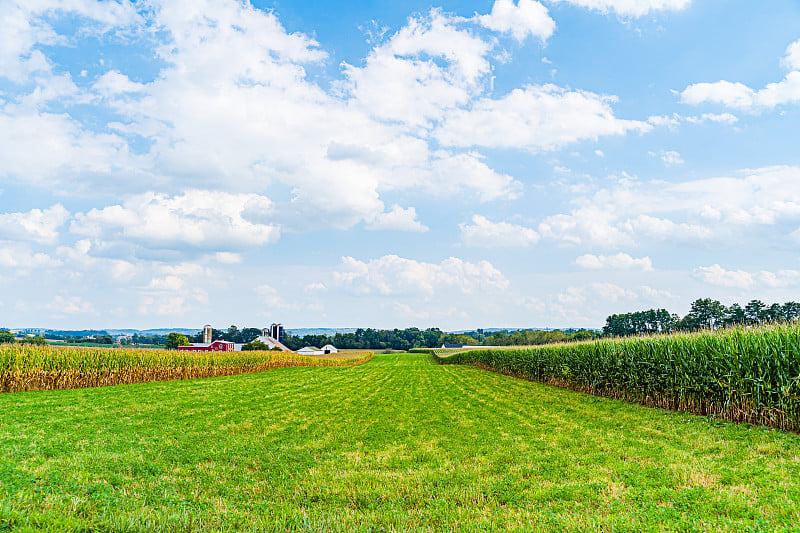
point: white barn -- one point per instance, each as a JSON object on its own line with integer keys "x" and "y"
{"x": 310, "y": 350}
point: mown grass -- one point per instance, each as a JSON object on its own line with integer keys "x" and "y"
{"x": 740, "y": 374}
{"x": 398, "y": 443}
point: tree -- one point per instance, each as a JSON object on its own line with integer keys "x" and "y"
{"x": 705, "y": 313}
{"x": 754, "y": 311}
{"x": 6, "y": 337}
{"x": 735, "y": 315}
{"x": 791, "y": 311}
{"x": 176, "y": 339}
{"x": 256, "y": 346}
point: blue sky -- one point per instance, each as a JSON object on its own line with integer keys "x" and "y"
{"x": 455, "y": 165}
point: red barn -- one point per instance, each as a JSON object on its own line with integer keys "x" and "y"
{"x": 216, "y": 346}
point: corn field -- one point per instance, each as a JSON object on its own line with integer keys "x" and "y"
{"x": 27, "y": 367}
{"x": 740, "y": 374}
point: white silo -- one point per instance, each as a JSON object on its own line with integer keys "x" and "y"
{"x": 207, "y": 334}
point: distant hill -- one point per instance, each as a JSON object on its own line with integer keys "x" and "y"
{"x": 302, "y": 332}
{"x": 160, "y": 331}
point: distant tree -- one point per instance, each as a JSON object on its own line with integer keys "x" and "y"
{"x": 256, "y": 346}
{"x": 37, "y": 340}
{"x": 704, "y": 313}
{"x": 791, "y": 311}
{"x": 249, "y": 334}
{"x": 583, "y": 335}
{"x": 176, "y": 339}
{"x": 6, "y": 337}
{"x": 754, "y": 311}
{"x": 773, "y": 313}
{"x": 735, "y": 315}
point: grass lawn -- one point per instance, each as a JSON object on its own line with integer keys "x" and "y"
{"x": 398, "y": 443}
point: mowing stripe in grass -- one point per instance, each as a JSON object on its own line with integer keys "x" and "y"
{"x": 397, "y": 443}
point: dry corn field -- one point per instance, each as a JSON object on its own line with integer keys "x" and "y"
{"x": 27, "y": 367}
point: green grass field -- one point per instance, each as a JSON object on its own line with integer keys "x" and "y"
{"x": 398, "y": 443}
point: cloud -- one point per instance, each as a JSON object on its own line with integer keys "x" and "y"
{"x": 670, "y": 157}
{"x": 535, "y": 118}
{"x": 71, "y": 305}
{"x": 228, "y": 258}
{"x": 630, "y": 8}
{"x": 229, "y": 106}
{"x": 27, "y": 24}
{"x": 21, "y": 258}
{"x": 196, "y": 219}
{"x": 527, "y": 18}
{"x": 393, "y": 275}
{"x": 717, "y": 275}
{"x": 720, "y": 118}
{"x": 115, "y": 83}
{"x": 488, "y": 234}
{"x": 632, "y": 213}
{"x": 82, "y": 264}
{"x": 424, "y": 69}
{"x": 619, "y": 261}
{"x": 36, "y": 225}
{"x": 736, "y": 95}
{"x": 398, "y": 219}
{"x": 315, "y": 287}
{"x": 791, "y": 60}
{"x": 740, "y": 96}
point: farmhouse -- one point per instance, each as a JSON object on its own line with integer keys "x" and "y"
{"x": 215, "y": 346}
{"x": 269, "y": 336}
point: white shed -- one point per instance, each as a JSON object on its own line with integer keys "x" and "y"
{"x": 329, "y": 348}
{"x": 310, "y": 350}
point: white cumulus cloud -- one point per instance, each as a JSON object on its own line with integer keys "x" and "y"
{"x": 195, "y": 219}
{"x": 742, "y": 279}
{"x": 526, "y": 18}
{"x": 620, "y": 261}
{"x": 398, "y": 219}
{"x": 394, "y": 275}
{"x": 536, "y": 118}
{"x": 792, "y": 58}
{"x": 485, "y": 233}
{"x": 40, "y": 225}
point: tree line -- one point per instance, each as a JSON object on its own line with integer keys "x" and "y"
{"x": 704, "y": 313}
{"x": 406, "y": 339}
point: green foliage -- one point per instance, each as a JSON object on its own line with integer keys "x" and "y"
{"x": 6, "y": 337}
{"x": 705, "y": 313}
{"x": 256, "y": 346}
{"x": 740, "y": 374}
{"x": 176, "y": 339}
{"x": 37, "y": 340}
{"x": 397, "y": 444}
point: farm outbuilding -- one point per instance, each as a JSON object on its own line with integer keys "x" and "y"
{"x": 329, "y": 348}
{"x": 216, "y": 346}
{"x": 310, "y": 350}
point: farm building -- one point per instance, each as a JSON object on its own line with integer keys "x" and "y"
{"x": 313, "y": 350}
{"x": 267, "y": 338}
{"x": 215, "y": 346}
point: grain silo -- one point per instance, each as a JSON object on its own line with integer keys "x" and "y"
{"x": 207, "y": 333}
